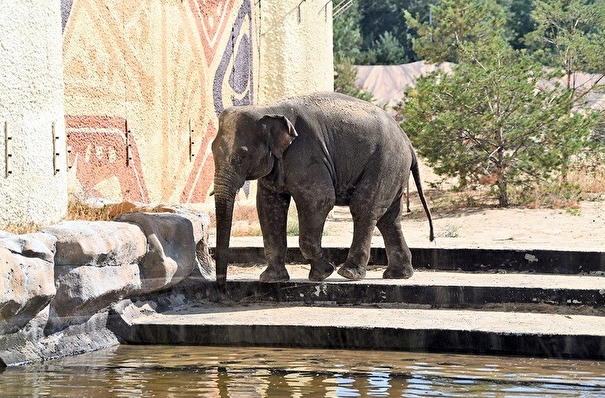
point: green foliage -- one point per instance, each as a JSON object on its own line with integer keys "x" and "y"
{"x": 518, "y": 21}
{"x": 347, "y": 39}
{"x": 493, "y": 122}
{"x": 384, "y": 36}
{"x": 570, "y": 34}
{"x": 455, "y": 22}
{"x": 387, "y": 50}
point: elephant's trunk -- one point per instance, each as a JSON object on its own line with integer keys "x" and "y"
{"x": 224, "y": 194}
{"x": 224, "y": 216}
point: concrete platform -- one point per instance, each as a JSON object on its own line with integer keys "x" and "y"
{"x": 516, "y": 314}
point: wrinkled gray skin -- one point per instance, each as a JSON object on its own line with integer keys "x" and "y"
{"x": 321, "y": 150}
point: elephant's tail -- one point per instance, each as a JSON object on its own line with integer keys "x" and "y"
{"x": 416, "y": 173}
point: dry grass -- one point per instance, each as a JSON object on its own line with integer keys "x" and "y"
{"x": 590, "y": 180}
{"x": 77, "y": 210}
{"x": 21, "y": 228}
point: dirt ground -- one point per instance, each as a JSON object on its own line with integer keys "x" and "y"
{"x": 492, "y": 228}
{"x": 559, "y": 229}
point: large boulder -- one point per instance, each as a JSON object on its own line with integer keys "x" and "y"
{"x": 201, "y": 235}
{"x": 26, "y": 278}
{"x": 97, "y": 243}
{"x": 96, "y": 264}
{"x": 171, "y": 254}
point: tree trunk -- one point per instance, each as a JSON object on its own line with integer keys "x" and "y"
{"x": 502, "y": 193}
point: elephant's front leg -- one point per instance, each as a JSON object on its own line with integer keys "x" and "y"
{"x": 273, "y": 216}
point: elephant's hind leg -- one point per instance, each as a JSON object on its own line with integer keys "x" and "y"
{"x": 398, "y": 252}
{"x": 272, "y": 213}
{"x": 311, "y": 219}
{"x": 354, "y": 267}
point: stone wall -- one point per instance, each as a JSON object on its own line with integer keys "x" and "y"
{"x": 58, "y": 284}
{"x": 33, "y": 177}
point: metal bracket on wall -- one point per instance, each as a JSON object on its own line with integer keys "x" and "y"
{"x": 191, "y": 154}
{"x": 8, "y": 151}
{"x": 67, "y": 153}
{"x": 128, "y": 149}
{"x": 56, "y": 153}
{"x": 299, "y": 11}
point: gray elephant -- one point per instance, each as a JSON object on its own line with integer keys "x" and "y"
{"x": 321, "y": 150}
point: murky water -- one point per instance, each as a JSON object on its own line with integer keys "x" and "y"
{"x": 169, "y": 371}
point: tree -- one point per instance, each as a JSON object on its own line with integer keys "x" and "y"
{"x": 570, "y": 35}
{"x": 388, "y": 50}
{"x": 453, "y": 23}
{"x": 519, "y": 21}
{"x": 382, "y": 24}
{"x": 493, "y": 121}
{"x": 347, "y": 39}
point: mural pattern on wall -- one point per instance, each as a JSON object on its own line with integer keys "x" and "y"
{"x": 102, "y": 146}
{"x": 167, "y": 69}
{"x": 233, "y": 79}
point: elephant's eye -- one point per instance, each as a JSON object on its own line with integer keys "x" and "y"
{"x": 240, "y": 158}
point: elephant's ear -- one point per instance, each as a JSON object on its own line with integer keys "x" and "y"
{"x": 281, "y": 133}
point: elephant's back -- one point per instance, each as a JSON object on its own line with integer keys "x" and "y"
{"x": 337, "y": 105}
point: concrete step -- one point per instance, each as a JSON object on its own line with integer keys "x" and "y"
{"x": 564, "y": 294}
{"x": 454, "y": 259}
{"x": 514, "y": 314}
{"x": 365, "y": 327}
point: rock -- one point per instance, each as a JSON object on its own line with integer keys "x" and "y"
{"x": 32, "y": 343}
{"x": 26, "y": 278}
{"x": 85, "y": 290}
{"x": 171, "y": 254}
{"x": 96, "y": 264}
{"x": 201, "y": 232}
{"x": 97, "y": 243}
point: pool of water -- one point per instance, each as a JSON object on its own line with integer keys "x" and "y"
{"x": 185, "y": 371}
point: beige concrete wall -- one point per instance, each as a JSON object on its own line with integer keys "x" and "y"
{"x": 33, "y": 178}
{"x": 295, "y": 48}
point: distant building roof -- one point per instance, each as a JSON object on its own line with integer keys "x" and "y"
{"x": 388, "y": 82}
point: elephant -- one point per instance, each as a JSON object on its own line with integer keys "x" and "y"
{"x": 321, "y": 150}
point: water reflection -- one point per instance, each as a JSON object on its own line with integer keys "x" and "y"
{"x": 165, "y": 371}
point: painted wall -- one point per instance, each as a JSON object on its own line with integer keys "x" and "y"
{"x": 296, "y": 48}
{"x": 145, "y": 81}
{"x": 33, "y": 178}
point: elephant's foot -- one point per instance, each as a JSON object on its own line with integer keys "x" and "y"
{"x": 275, "y": 275}
{"x": 352, "y": 272}
{"x": 320, "y": 270}
{"x": 404, "y": 272}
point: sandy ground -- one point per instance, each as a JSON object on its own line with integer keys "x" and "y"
{"x": 491, "y": 228}
{"x": 556, "y": 229}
